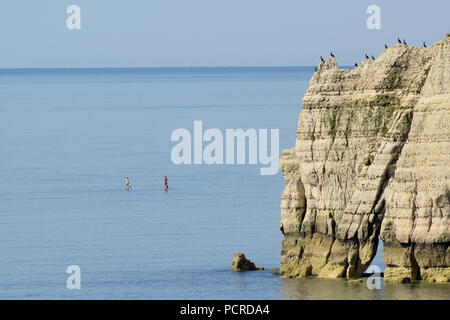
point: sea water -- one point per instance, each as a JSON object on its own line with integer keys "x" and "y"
{"x": 69, "y": 137}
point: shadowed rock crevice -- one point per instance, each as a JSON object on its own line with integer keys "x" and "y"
{"x": 355, "y": 173}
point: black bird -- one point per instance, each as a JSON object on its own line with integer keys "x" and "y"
{"x": 321, "y": 58}
{"x": 331, "y": 54}
{"x": 386, "y": 46}
{"x": 424, "y": 45}
{"x": 404, "y": 42}
{"x": 373, "y": 58}
{"x": 399, "y": 41}
{"x": 367, "y": 57}
{"x": 356, "y": 64}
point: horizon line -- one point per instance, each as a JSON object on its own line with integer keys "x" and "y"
{"x": 156, "y": 67}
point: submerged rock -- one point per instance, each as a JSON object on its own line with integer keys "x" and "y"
{"x": 359, "y": 280}
{"x": 371, "y": 160}
{"x": 275, "y": 269}
{"x": 398, "y": 275}
{"x": 241, "y": 263}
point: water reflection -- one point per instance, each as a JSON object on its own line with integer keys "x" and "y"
{"x": 341, "y": 289}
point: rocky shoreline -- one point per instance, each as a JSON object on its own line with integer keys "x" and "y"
{"x": 371, "y": 160}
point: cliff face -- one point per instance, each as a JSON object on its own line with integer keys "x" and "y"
{"x": 371, "y": 159}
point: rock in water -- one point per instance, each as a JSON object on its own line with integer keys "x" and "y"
{"x": 371, "y": 159}
{"x": 241, "y": 263}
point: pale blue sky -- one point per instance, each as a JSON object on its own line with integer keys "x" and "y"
{"x": 148, "y": 33}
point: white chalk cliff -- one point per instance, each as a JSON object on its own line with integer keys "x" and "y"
{"x": 371, "y": 160}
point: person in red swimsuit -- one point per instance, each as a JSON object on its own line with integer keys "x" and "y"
{"x": 165, "y": 185}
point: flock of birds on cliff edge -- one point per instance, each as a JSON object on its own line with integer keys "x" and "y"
{"x": 373, "y": 58}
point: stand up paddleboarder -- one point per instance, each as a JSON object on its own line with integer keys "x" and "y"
{"x": 165, "y": 185}
{"x": 127, "y": 184}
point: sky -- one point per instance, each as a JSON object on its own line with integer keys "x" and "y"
{"x": 169, "y": 33}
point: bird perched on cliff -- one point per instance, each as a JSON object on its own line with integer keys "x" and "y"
{"x": 373, "y": 58}
{"x": 404, "y": 42}
{"x": 424, "y": 45}
{"x": 399, "y": 41}
{"x": 321, "y": 58}
{"x": 385, "y": 46}
{"x": 356, "y": 64}
{"x": 331, "y": 54}
{"x": 367, "y": 57}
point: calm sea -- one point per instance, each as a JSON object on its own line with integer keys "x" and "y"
{"x": 70, "y": 137}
